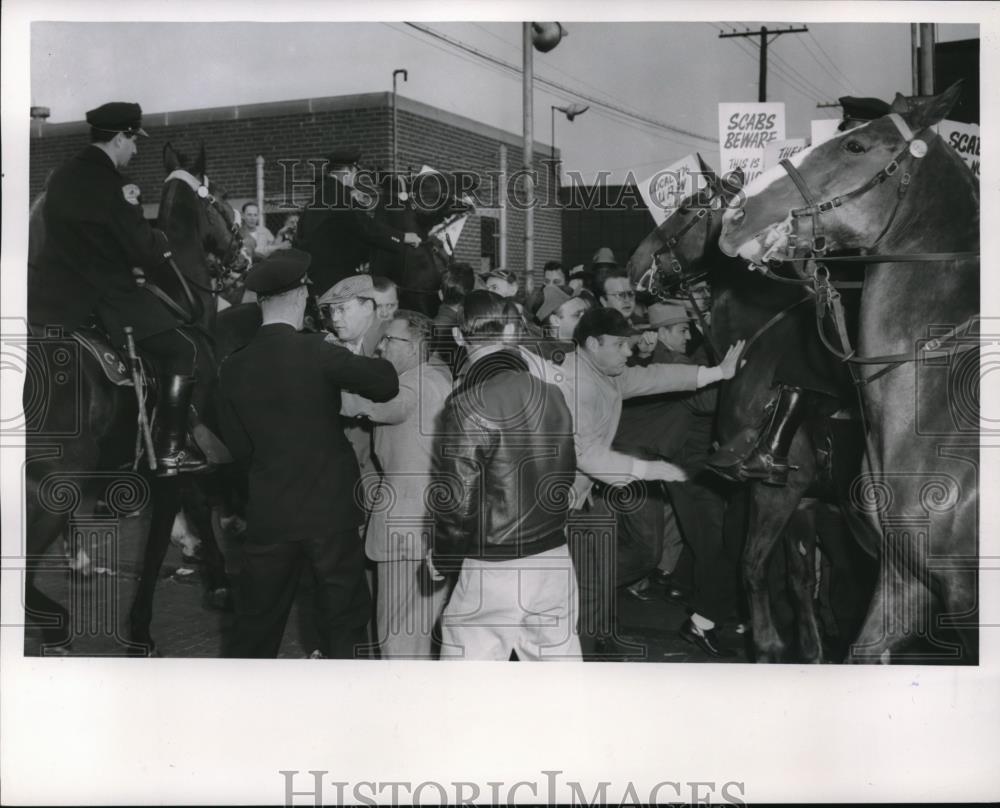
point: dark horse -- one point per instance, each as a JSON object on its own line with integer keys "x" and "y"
{"x": 424, "y": 204}
{"x": 770, "y": 316}
{"x": 894, "y": 189}
{"x": 81, "y": 428}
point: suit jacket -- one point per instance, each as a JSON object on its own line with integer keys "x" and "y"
{"x": 280, "y": 401}
{"x": 341, "y": 235}
{"x": 94, "y": 234}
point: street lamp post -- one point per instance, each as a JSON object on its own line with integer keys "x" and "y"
{"x": 570, "y": 112}
{"x": 395, "y": 142}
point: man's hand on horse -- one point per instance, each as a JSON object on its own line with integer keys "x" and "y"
{"x": 728, "y": 363}
{"x": 412, "y": 239}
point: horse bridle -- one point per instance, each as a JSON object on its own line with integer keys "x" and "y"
{"x": 827, "y": 297}
{"x": 203, "y": 193}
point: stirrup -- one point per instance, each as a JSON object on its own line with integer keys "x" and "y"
{"x": 183, "y": 461}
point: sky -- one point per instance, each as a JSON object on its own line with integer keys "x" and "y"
{"x": 673, "y": 72}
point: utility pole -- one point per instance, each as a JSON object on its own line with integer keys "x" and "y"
{"x": 927, "y": 58}
{"x": 764, "y": 42}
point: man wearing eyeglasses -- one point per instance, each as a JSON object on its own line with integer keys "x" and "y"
{"x": 97, "y": 245}
{"x": 617, "y": 293}
{"x": 399, "y": 529}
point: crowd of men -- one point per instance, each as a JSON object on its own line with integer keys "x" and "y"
{"x": 495, "y": 474}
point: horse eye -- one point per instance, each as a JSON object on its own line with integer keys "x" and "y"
{"x": 854, "y": 147}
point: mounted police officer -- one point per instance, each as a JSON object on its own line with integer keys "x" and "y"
{"x": 281, "y": 402}
{"x": 339, "y": 229}
{"x": 97, "y": 241}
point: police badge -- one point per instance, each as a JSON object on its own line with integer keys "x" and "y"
{"x": 131, "y": 193}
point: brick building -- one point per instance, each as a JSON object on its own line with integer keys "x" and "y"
{"x": 294, "y": 136}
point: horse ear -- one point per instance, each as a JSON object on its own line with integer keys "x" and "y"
{"x": 708, "y": 173}
{"x": 171, "y": 161}
{"x": 199, "y": 166}
{"x": 732, "y": 183}
{"x": 900, "y": 104}
{"x": 929, "y": 111}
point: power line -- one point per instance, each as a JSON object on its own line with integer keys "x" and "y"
{"x": 834, "y": 64}
{"x": 838, "y": 82}
{"x": 555, "y": 85}
{"x": 638, "y": 126}
{"x": 763, "y": 34}
{"x": 788, "y": 80}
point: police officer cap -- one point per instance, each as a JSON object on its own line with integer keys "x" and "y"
{"x": 281, "y": 271}
{"x": 117, "y": 116}
{"x": 863, "y": 109}
{"x": 346, "y": 156}
{"x": 350, "y": 287}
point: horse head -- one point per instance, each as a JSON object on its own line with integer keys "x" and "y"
{"x": 846, "y": 191}
{"x": 194, "y": 213}
{"x": 673, "y": 254}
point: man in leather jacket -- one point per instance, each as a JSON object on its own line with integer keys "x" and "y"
{"x": 506, "y": 457}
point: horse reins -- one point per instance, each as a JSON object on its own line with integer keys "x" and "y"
{"x": 819, "y": 284}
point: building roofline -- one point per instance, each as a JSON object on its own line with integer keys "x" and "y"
{"x": 304, "y": 106}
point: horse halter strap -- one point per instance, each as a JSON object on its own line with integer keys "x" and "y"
{"x": 916, "y": 147}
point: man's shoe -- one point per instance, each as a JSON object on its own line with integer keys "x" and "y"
{"x": 707, "y": 641}
{"x": 641, "y": 590}
{"x": 664, "y": 584}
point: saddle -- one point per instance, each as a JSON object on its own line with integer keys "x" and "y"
{"x": 113, "y": 362}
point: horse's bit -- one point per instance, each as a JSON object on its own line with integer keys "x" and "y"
{"x": 828, "y": 298}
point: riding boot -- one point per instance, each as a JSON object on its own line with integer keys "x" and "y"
{"x": 768, "y": 461}
{"x": 175, "y": 453}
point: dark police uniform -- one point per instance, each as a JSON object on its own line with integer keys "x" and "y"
{"x": 281, "y": 417}
{"x": 339, "y": 233}
{"x": 95, "y": 234}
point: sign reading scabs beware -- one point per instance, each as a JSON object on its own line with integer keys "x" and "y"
{"x": 744, "y": 131}
{"x": 964, "y": 139}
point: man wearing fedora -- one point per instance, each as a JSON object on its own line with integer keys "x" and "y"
{"x": 339, "y": 229}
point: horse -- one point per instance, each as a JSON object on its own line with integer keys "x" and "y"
{"x": 896, "y": 191}
{"x": 81, "y": 427}
{"x": 677, "y": 254}
{"x": 426, "y": 203}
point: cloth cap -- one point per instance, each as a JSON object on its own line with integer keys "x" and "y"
{"x": 605, "y": 322}
{"x": 117, "y": 116}
{"x": 345, "y": 156}
{"x": 666, "y": 314}
{"x": 863, "y": 109}
{"x": 578, "y": 272}
{"x": 604, "y": 256}
{"x": 281, "y": 271}
{"x": 348, "y": 288}
{"x": 504, "y": 274}
{"x": 553, "y": 298}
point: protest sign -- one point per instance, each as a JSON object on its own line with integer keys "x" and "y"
{"x": 778, "y": 150}
{"x": 745, "y": 129}
{"x": 664, "y": 191}
{"x": 964, "y": 139}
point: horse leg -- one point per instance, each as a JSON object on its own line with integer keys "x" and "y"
{"x": 166, "y": 503}
{"x": 960, "y": 613}
{"x": 213, "y": 565}
{"x": 801, "y": 558}
{"x": 49, "y": 616}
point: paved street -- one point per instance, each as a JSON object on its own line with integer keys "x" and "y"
{"x": 184, "y": 626}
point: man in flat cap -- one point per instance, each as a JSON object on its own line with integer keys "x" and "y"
{"x": 559, "y": 312}
{"x": 339, "y": 229}
{"x": 95, "y": 235}
{"x": 280, "y": 400}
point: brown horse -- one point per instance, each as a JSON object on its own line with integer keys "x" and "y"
{"x": 81, "y": 428}
{"x": 895, "y": 190}
{"x": 682, "y": 250}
